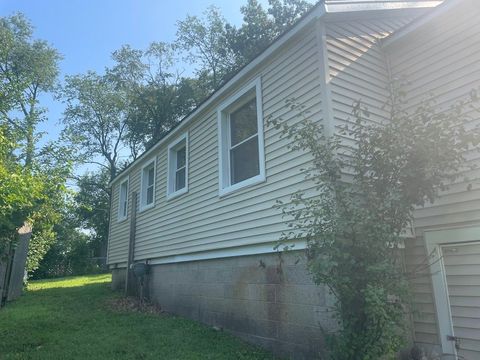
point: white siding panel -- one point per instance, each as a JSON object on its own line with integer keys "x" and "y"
{"x": 200, "y": 220}
{"x": 425, "y": 320}
{"x": 442, "y": 58}
{"x": 119, "y": 231}
{"x": 357, "y": 67}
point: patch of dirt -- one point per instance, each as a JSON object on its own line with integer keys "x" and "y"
{"x": 132, "y": 304}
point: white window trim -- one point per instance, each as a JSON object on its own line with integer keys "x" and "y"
{"x": 223, "y": 140}
{"x": 171, "y": 193}
{"x": 143, "y": 192}
{"x": 433, "y": 241}
{"x": 120, "y": 217}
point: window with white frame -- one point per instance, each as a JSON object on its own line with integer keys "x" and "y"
{"x": 123, "y": 201}
{"x": 241, "y": 149}
{"x": 147, "y": 198}
{"x": 177, "y": 180}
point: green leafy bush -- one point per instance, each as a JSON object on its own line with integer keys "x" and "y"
{"x": 365, "y": 191}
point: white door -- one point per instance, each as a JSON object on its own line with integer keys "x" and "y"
{"x": 455, "y": 267}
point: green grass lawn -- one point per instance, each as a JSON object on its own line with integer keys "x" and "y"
{"x": 72, "y": 318}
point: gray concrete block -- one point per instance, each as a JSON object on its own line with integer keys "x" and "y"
{"x": 265, "y": 310}
{"x": 252, "y": 274}
{"x": 236, "y": 291}
{"x": 298, "y": 314}
{"x": 297, "y": 274}
{"x": 300, "y": 294}
{"x": 264, "y": 292}
{"x": 118, "y": 279}
{"x": 299, "y": 334}
{"x": 266, "y": 300}
{"x": 265, "y": 328}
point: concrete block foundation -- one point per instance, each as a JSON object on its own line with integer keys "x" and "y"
{"x": 263, "y": 299}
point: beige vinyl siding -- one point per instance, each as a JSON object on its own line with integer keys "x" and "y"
{"x": 119, "y": 230}
{"x": 443, "y": 58}
{"x": 200, "y": 220}
{"x": 423, "y": 308}
{"x": 357, "y": 67}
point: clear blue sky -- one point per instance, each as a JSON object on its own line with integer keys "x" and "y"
{"x": 86, "y": 32}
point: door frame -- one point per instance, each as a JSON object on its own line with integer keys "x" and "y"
{"x": 434, "y": 239}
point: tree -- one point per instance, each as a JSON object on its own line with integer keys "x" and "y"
{"x": 28, "y": 70}
{"x": 21, "y": 194}
{"x": 205, "y": 41}
{"x": 223, "y": 48}
{"x": 260, "y": 27}
{"x": 157, "y": 95}
{"x": 364, "y": 199}
{"x": 93, "y": 208}
{"x": 255, "y": 34}
{"x": 95, "y": 119}
{"x": 72, "y": 251}
{"x": 286, "y": 12}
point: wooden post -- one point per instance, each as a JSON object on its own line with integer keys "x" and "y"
{"x": 129, "y": 276}
{"x": 19, "y": 262}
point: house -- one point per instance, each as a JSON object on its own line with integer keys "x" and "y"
{"x": 198, "y": 206}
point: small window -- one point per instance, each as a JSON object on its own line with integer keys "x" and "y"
{"x": 123, "y": 201}
{"x": 177, "y": 182}
{"x": 241, "y": 140}
{"x": 147, "y": 198}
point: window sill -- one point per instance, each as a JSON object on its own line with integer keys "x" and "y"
{"x": 174, "y": 195}
{"x": 242, "y": 185}
{"x": 122, "y": 219}
{"x": 145, "y": 207}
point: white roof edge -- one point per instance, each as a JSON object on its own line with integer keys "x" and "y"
{"x": 347, "y": 6}
{"x": 446, "y": 6}
{"x": 316, "y": 13}
{"x": 319, "y": 11}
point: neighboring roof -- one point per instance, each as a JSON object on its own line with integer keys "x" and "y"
{"x": 321, "y": 9}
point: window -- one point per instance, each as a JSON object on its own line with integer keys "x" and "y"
{"x": 241, "y": 152}
{"x": 147, "y": 198}
{"x": 177, "y": 181}
{"x": 123, "y": 201}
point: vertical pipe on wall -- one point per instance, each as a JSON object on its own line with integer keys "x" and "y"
{"x": 130, "y": 277}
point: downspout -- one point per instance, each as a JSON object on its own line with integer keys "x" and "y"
{"x": 129, "y": 276}
{"x": 324, "y": 74}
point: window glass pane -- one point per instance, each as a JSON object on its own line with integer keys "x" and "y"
{"x": 123, "y": 199}
{"x": 149, "y": 195}
{"x": 181, "y": 156}
{"x": 122, "y": 192}
{"x": 151, "y": 175}
{"x": 180, "y": 179}
{"x": 243, "y": 122}
{"x": 125, "y": 208}
{"x": 244, "y": 161}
